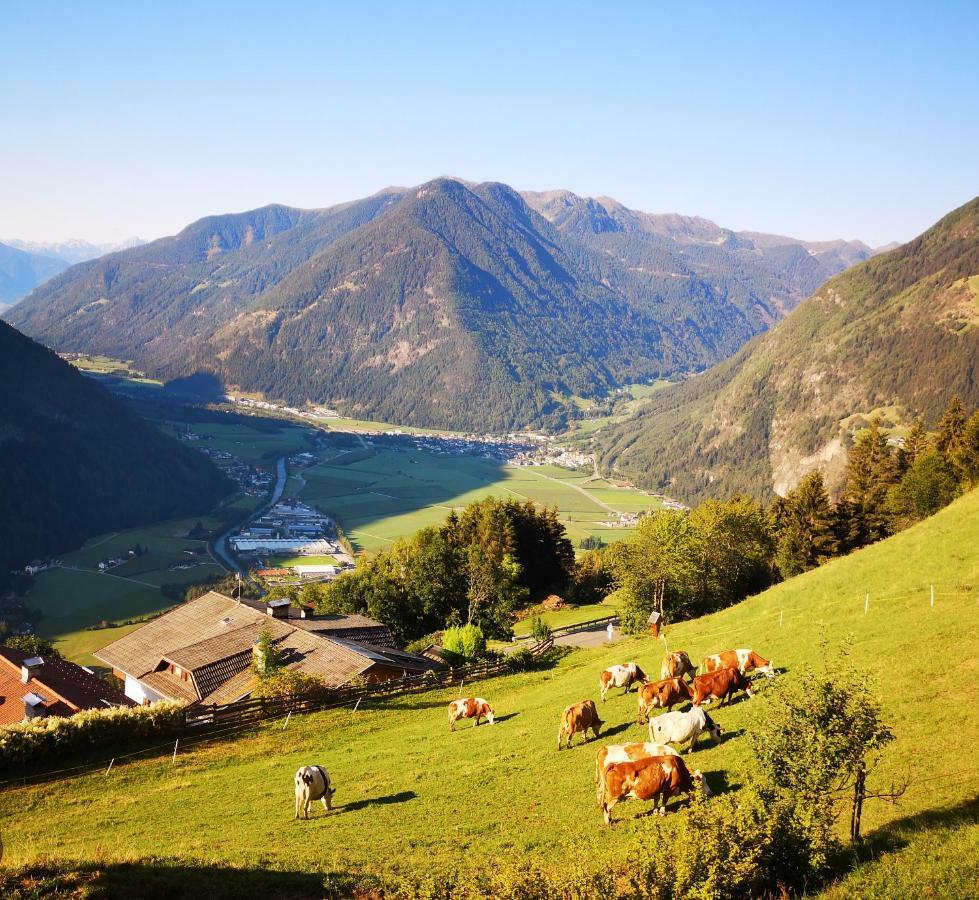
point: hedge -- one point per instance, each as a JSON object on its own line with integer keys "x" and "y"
{"x": 54, "y": 737}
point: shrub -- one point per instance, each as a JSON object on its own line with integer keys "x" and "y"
{"x": 521, "y": 660}
{"x": 54, "y": 738}
{"x": 464, "y": 644}
{"x": 287, "y": 684}
{"x": 539, "y": 630}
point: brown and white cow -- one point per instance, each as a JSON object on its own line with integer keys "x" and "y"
{"x": 656, "y": 778}
{"x": 721, "y": 684}
{"x": 743, "y": 660}
{"x": 677, "y": 664}
{"x": 663, "y": 694}
{"x": 616, "y": 753}
{"x": 312, "y": 784}
{"x": 470, "y": 708}
{"x": 623, "y": 676}
{"x": 683, "y": 728}
{"x": 578, "y": 718}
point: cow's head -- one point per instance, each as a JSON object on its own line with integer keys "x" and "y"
{"x": 490, "y": 717}
{"x": 640, "y": 675}
{"x": 768, "y": 670}
{"x": 713, "y": 729}
{"x": 700, "y": 781}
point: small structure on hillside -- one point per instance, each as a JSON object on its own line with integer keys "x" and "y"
{"x": 655, "y": 620}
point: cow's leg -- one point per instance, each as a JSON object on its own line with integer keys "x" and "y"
{"x": 297, "y": 806}
{"x": 326, "y": 803}
{"x": 452, "y": 724}
{"x": 607, "y": 811}
{"x": 476, "y": 723}
{"x": 306, "y": 808}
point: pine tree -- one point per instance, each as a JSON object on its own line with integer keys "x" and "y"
{"x": 969, "y": 454}
{"x": 951, "y": 429}
{"x": 806, "y": 525}
{"x": 870, "y": 472}
{"x": 916, "y": 442}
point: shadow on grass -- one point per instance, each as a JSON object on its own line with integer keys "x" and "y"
{"x": 895, "y": 836}
{"x": 616, "y": 729}
{"x": 171, "y": 880}
{"x": 401, "y": 797}
{"x": 507, "y": 717}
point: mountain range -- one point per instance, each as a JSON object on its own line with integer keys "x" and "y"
{"x": 453, "y": 304}
{"x": 74, "y": 461}
{"x": 895, "y": 336}
{"x": 74, "y": 250}
{"x": 22, "y": 271}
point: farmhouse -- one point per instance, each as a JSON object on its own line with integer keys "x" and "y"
{"x": 32, "y": 687}
{"x": 202, "y": 651}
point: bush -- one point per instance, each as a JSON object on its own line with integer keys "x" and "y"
{"x": 54, "y": 738}
{"x": 521, "y": 660}
{"x": 539, "y": 630}
{"x": 426, "y": 640}
{"x": 287, "y": 684}
{"x": 464, "y": 644}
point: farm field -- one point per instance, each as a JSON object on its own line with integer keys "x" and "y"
{"x": 384, "y": 495}
{"x": 403, "y": 781}
{"x": 77, "y": 596}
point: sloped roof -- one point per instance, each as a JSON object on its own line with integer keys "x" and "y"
{"x": 66, "y": 687}
{"x": 191, "y": 623}
{"x": 170, "y": 686}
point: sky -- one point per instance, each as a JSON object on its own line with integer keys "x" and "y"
{"x": 818, "y": 120}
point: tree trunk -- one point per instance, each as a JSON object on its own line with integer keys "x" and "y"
{"x": 859, "y": 793}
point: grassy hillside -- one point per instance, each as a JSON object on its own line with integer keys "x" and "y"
{"x": 412, "y": 796}
{"x": 898, "y": 334}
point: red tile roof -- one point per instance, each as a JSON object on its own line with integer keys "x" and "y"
{"x": 65, "y": 687}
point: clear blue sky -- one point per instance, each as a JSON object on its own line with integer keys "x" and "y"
{"x": 817, "y": 120}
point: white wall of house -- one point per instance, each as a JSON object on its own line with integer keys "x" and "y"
{"x": 136, "y": 690}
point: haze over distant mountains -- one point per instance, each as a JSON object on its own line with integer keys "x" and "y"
{"x": 897, "y": 335}
{"x": 74, "y": 250}
{"x": 452, "y": 304}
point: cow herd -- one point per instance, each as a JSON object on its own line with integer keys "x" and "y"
{"x": 652, "y": 771}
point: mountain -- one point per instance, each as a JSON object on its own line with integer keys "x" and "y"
{"x": 75, "y": 462}
{"x": 897, "y": 335}
{"x": 452, "y": 305}
{"x": 74, "y": 250}
{"x": 21, "y": 272}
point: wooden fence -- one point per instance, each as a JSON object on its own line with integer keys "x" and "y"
{"x": 254, "y": 710}
{"x": 578, "y": 626}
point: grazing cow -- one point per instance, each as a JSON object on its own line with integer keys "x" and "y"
{"x": 663, "y": 694}
{"x": 312, "y": 784}
{"x": 656, "y": 778}
{"x": 620, "y": 676}
{"x": 579, "y": 717}
{"x": 683, "y": 728}
{"x": 676, "y": 665}
{"x": 721, "y": 684}
{"x": 616, "y": 753}
{"x": 743, "y": 660}
{"x": 470, "y": 708}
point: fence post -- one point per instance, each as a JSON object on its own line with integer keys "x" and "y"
{"x": 866, "y": 604}
{"x": 175, "y": 744}
{"x": 933, "y": 596}
{"x": 781, "y": 613}
{"x": 107, "y": 771}
{"x": 286, "y": 723}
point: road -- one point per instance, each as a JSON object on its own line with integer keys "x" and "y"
{"x": 579, "y": 489}
{"x": 593, "y": 637}
{"x": 219, "y": 549}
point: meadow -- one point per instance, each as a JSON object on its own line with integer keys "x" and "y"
{"x": 412, "y": 796}
{"x": 78, "y": 595}
{"x": 390, "y": 493}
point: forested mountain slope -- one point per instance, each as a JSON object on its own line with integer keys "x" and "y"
{"x": 75, "y": 462}
{"x": 898, "y": 334}
{"x": 451, "y": 304}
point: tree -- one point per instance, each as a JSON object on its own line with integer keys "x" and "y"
{"x": 928, "y": 486}
{"x": 950, "y": 432}
{"x": 463, "y": 644}
{"x": 820, "y": 735}
{"x": 267, "y": 660}
{"x": 969, "y": 454}
{"x": 916, "y": 442}
{"x": 870, "y": 472}
{"x": 805, "y": 523}
{"x": 32, "y": 644}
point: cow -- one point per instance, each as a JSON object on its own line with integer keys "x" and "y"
{"x": 664, "y": 694}
{"x": 312, "y": 784}
{"x": 616, "y": 753}
{"x": 683, "y": 728}
{"x": 578, "y": 717}
{"x": 656, "y": 778}
{"x": 743, "y": 660}
{"x": 676, "y": 665}
{"x": 721, "y": 684}
{"x": 470, "y": 708}
{"x": 620, "y": 676}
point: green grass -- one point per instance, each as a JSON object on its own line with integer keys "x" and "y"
{"x": 412, "y": 795}
{"x": 572, "y": 615}
{"x": 287, "y": 561}
{"x": 72, "y": 598}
